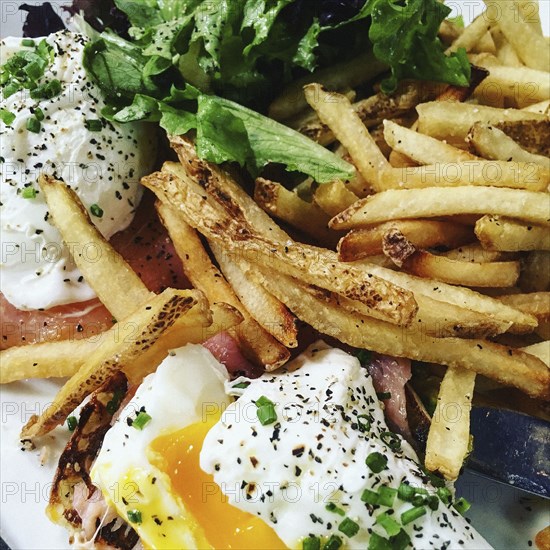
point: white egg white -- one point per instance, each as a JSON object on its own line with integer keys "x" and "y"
{"x": 103, "y": 167}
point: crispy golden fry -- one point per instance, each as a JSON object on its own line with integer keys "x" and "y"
{"x": 530, "y": 46}
{"x": 521, "y": 85}
{"x": 540, "y": 350}
{"x": 475, "y": 253}
{"x": 372, "y": 110}
{"x": 255, "y": 341}
{"x": 469, "y": 301}
{"x": 270, "y": 313}
{"x": 529, "y": 12}
{"x": 334, "y": 197}
{"x": 505, "y": 51}
{"x": 399, "y": 160}
{"x": 506, "y": 365}
{"x": 440, "y": 268}
{"x": 338, "y": 77}
{"x": 422, "y": 148}
{"x": 535, "y": 303}
{"x": 452, "y": 121}
{"x": 449, "y": 435}
{"x": 445, "y": 201}
{"x": 495, "y": 173}
{"x": 290, "y": 208}
{"x": 65, "y": 357}
{"x": 313, "y": 264}
{"x": 532, "y": 135}
{"x": 492, "y": 143}
{"x": 472, "y": 35}
{"x": 535, "y": 273}
{"x": 116, "y": 284}
{"x": 337, "y": 113}
{"x": 135, "y": 345}
{"x": 498, "y": 233}
{"x": 361, "y": 243}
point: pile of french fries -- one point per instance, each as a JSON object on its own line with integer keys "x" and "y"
{"x": 438, "y": 249}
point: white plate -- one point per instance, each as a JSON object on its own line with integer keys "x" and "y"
{"x": 506, "y": 517}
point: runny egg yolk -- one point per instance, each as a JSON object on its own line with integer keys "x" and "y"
{"x": 225, "y": 526}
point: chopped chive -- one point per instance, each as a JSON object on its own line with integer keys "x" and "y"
{"x": 34, "y": 70}
{"x": 364, "y": 356}
{"x": 134, "y": 516}
{"x": 333, "y": 543}
{"x": 311, "y": 543}
{"x": 418, "y": 500}
{"x": 33, "y": 125}
{"x": 39, "y": 113}
{"x": 72, "y": 423}
{"x": 27, "y": 42}
{"x": 405, "y": 492}
{"x": 393, "y": 441}
{"x": 348, "y": 527}
{"x": 47, "y": 91}
{"x": 6, "y": 116}
{"x": 391, "y": 526}
{"x": 386, "y": 496}
{"x": 370, "y": 497}
{"x": 364, "y": 422}
{"x": 433, "y": 502}
{"x": 435, "y": 480}
{"x": 96, "y": 211}
{"x": 28, "y": 193}
{"x": 462, "y": 505}
{"x": 412, "y": 514}
{"x": 400, "y": 541}
{"x": 376, "y": 462}
{"x": 266, "y": 411}
{"x": 331, "y": 507}
{"x": 93, "y": 125}
{"x": 241, "y": 386}
{"x": 141, "y": 420}
{"x": 384, "y": 395}
{"x": 376, "y": 542}
{"x": 444, "y": 494}
{"x": 11, "y": 89}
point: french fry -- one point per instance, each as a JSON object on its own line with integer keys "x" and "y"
{"x": 506, "y": 365}
{"x": 449, "y": 435}
{"x": 505, "y": 51}
{"x": 540, "y": 350}
{"x": 452, "y": 121}
{"x": 500, "y": 233}
{"x": 522, "y": 85}
{"x": 532, "y": 135}
{"x": 495, "y": 173}
{"x": 422, "y": 148}
{"x": 471, "y": 35}
{"x": 445, "y": 201}
{"x": 492, "y": 143}
{"x": 269, "y": 312}
{"x": 535, "y": 303}
{"x": 530, "y": 46}
{"x": 290, "y": 208}
{"x": 337, "y": 113}
{"x": 535, "y": 273}
{"x": 440, "y": 268}
{"x": 64, "y": 358}
{"x": 255, "y": 341}
{"x": 116, "y": 284}
{"x": 361, "y": 243}
{"x": 314, "y": 264}
{"x": 334, "y": 197}
{"x": 136, "y": 345}
{"x": 530, "y": 13}
{"x": 338, "y": 77}
{"x": 474, "y": 253}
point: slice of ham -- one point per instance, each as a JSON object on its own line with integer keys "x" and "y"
{"x": 145, "y": 245}
{"x": 226, "y": 350}
{"x": 389, "y": 375}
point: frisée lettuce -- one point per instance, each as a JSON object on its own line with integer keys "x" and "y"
{"x": 214, "y": 66}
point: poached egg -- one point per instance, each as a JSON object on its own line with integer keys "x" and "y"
{"x": 101, "y": 161}
{"x": 207, "y": 471}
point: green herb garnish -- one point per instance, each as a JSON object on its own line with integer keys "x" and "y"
{"x": 391, "y": 526}
{"x": 412, "y": 514}
{"x": 33, "y": 125}
{"x": 72, "y": 423}
{"x": 386, "y": 496}
{"x": 96, "y": 211}
{"x": 134, "y": 516}
{"x": 376, "y": 462}
{"x": 93, "y": 125}
{"x": 266, "y": 411}
{"x": 349, "y": 527}
{"x": 6, "y": 116}
{"x": 28, "y": 193}
{"x": 392, "y": 440}
{"x": 462, "y": 505}
{"x": 311, "y": 543}
{"x": 333, "y": 543}
{"x": 331, "y": 507}
{"x": 141, "y": 420}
